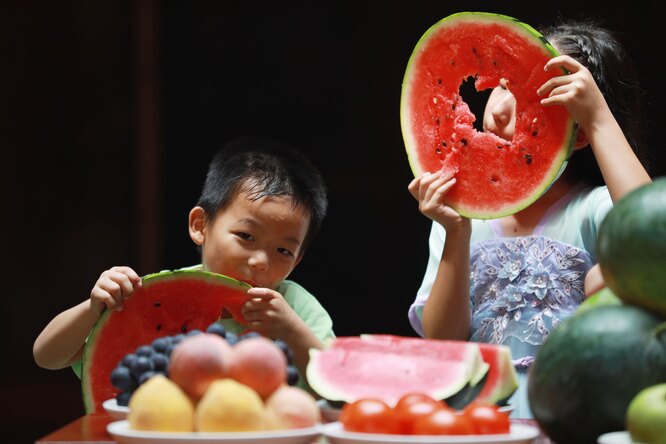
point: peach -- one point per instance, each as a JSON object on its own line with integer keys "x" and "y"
{"x": 260, "y": 364}
{"x": 199, "y": 360}
{"x": 291, "y": 408}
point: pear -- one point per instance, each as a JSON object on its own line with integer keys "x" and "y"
{"x": 229, "y": 406}
{"x": 160, "y": 405}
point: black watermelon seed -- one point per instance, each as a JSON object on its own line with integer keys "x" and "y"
{"x": 439, "y": 81}
{"x": 158, "y": 327}
{"x": 437, "y": 120}
{"x": 183, "y": 329}
{"x": 528, "y": 158}
{"x": 438, "y": 151}
{"x": 443, "y": 144}
{"x": 463, "y": 141}
{"x": 157, "y": 304}
{"x": 534, "y": 133}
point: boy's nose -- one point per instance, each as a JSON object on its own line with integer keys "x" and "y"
{"x": 259, "y": 260}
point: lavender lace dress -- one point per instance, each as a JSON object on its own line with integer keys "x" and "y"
{"x": 522, "y": 287}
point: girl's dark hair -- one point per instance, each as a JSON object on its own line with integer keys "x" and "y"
{"x": 599, "y": 50}
{"x": 263, "y": 167}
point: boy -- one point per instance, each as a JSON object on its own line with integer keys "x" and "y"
{"x": 261, "y": 205}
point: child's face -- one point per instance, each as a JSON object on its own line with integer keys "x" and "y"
{"x": 255, "y": 241}
{"x": 499, "y": 116}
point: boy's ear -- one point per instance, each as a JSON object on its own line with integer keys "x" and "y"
{"x": 581, "y": 140}
{"x": 197, "y": 225}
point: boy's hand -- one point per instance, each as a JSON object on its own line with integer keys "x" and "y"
{"x": 113, "y": 288}
{"x": 268, "y": 313}
{"x": 429, "y": 190}
{"x": 577, "y": 91}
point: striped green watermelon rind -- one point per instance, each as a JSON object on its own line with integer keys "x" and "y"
{"x": 166, "y": 304}
{"x": 495, "y": 177}
{"x": 386, "y": 367}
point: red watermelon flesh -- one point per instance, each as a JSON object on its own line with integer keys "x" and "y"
{"x": 501, "y": 380}
{"x": 387, "y": 367}
{"x": 495, "y": 177}
{"x": 167, "y": 303}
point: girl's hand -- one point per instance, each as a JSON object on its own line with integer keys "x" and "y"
{"x": 113, "y": 288}
{"x": 268, "y": 313}
{"x": 429, "y": 190}
{"x": 577, "y": 91}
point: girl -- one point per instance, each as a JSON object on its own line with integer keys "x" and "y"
{"x": 512, "y": 280}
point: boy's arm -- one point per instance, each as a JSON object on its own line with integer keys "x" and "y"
{"x": 61, "y": 342}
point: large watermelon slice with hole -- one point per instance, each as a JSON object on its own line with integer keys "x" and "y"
{"x": 167, "y": 303}
{"x": 495, "y": 177}
{"x": 387, "y": 366}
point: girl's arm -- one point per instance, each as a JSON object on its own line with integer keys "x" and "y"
{"x": 61, "y": 342}
{"x": 446, "y": 313}
{"x": 621, "y": 169}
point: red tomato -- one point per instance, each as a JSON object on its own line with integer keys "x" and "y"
{"x": 487, "y": 419}
{"x": 443, "y": 422}
{"x": 369, "y": 416}
{"x": 412, "y": 407}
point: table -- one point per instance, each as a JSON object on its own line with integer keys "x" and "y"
{"x": 91, "y": 429}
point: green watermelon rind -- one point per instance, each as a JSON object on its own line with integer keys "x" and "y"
{"x": 477, "y": 368}
{"x": 559, "y": 164}
{"x": 147, "y": 280}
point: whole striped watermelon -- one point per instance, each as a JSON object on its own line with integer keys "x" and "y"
{"x": 495, "y": 177}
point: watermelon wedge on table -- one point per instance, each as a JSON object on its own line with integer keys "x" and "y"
{"x": 167, "y": 303}
{"x": 495, "y": 177}
{"x": 388, "y": 366}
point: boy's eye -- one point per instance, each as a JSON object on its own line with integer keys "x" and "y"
{"x": 245, "y": 236}
{"x": 285, "y": 252}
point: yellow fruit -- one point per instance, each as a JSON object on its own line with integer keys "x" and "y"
{"x": 229, "y": 406}
{"x": 160, "y": 405}
{"x": 291, "y": 408}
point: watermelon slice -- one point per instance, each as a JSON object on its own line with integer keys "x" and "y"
{"x": 167, "y": 303}
{"x": 498, "y": 384}
{"x": 387, "y": 366}
{"x": 495, "y": 177}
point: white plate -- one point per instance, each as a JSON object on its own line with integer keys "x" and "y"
{"x": 123, "y": 434}
{"x": 332, "y": 414}
{"x": 114, "y": 410}
{"x": 616, "y": 438}
{"x": 520, "y": 434}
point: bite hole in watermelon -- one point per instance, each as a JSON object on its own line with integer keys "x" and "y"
{"x": 476, "y": 100}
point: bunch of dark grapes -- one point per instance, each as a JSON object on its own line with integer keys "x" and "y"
{"x": 148, "y": 360}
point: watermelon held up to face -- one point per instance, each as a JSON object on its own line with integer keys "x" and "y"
{"x": 495, "y": 177}
{"x": 166, "y": 304}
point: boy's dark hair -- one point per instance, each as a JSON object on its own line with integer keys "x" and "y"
{"x": 597, "y": 48}
{"x": 264, "y": 167}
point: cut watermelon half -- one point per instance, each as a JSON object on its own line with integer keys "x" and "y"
{"x": 166, "y": 304}
{"x": 386, "y": 367}
{"x": 495, "y": 177}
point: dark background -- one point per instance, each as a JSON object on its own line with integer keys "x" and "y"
{"x": 111, "y": 111}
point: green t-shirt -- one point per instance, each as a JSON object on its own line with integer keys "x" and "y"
{"x": 306, "y": 306}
